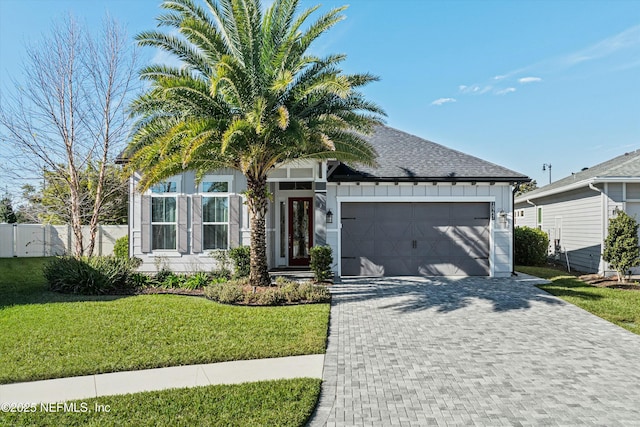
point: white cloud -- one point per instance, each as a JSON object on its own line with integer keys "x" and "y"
{"x": 606, "y": 47}
{"x": 529, "y": 80}
{"x": 506, "y": 91}
{"x": 441, "y": 101}
{"x": 500, "y": 77}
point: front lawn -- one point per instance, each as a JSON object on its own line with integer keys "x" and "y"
{"x": 47, "y": 335}
{"x": 618, "y": 306}
{"x": 266, "y": 403}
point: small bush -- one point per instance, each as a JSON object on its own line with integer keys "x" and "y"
{"x": 321, "y": 260}
{"x": 222, "y": 269}
{"x": 241, "y": 257}
{"x": 174, "y": 281}
{"x": 621, "y": 245}
{"x": 531, "y": 246}
{"x": 226, "y": 293}
{"x": 161, "y": 276}
{"x": 291, "y": 292}
{"x": 196, "y": 281}
{"x": 89, "y": 276}
{"x": 314, "y": 293}
{"x": 138, "y": 280}
{"x": 270, "y": 296}
{"x": 121, "y": 248}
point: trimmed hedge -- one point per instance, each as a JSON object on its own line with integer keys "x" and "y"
{"x": 321, "y": 260}
{"x": 531, "y": 246}
{"x": 285, "y": 292}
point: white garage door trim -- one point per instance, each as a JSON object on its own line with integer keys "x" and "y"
{"x": 390, "y": 199}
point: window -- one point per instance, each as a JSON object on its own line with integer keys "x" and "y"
{"x": 163, "y": 216}
{"x": 215, "y": 212}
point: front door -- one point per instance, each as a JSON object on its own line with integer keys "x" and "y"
{"x": 300, "y": 230}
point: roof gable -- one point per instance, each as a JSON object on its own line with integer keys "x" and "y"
{"x": 405, "y": 157}
{"x": 626, "y": 165}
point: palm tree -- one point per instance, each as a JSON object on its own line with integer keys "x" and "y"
{"x": 247, "y": 96}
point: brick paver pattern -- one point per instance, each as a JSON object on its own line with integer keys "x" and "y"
{"x": 473, "y": 351}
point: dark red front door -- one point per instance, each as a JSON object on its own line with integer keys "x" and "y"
{"x": 300, "y": 229}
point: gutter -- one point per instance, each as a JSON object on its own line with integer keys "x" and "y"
{"x": 580, "y": 184}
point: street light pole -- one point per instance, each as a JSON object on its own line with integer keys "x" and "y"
{"x": 544, "y": 168}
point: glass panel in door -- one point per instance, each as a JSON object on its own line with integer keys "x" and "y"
{"x": 300, "y": 230}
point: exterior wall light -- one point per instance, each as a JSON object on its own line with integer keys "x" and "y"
{"x": 502, "y": 217}
{"x": 329, "y": 217}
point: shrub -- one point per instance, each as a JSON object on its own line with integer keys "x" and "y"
{"x": 121, "y": 248}
{"x": 174, "y": 281}
{"x": 270, "y": 296}
{"x": 162, "y": 275}
{"x": 531, "y": 246}
{"x": 290, "y": 292}
{"x": 89, "y": 276}
{"x": 138, "y": 280}
{"x": 314, "y": 293}
{"x": 196, "y": 281}
{"x": 222, "y": 270}
{"x": 321, "y": 260}
{"x": 227, "y": 293}
{"x": 241, "y": 257}
{"x": 621, "y": 245}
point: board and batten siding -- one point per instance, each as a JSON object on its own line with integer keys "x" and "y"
{"x": 500, "y": 194}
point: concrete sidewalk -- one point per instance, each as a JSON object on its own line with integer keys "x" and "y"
{"x": 63, "y": 389}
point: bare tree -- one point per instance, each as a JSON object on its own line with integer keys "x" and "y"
{"x": 70, "y": 112}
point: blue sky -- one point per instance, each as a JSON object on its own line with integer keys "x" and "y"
{"x": 518, "y": 83}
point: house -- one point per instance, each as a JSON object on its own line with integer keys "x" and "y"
{"x": 424, "y": 210}
{"x": 575, "y": 210}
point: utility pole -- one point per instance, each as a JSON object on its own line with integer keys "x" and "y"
{"x": 544, "y": 168}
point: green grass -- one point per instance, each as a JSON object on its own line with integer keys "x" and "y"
{"x": 267, "y": 403}
{"x": 47, "y": 335}
{"x": 618, "y": 306}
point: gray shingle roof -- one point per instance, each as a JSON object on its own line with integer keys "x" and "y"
{"x": 626, "y": 165}
{"x": 405, "y": 157}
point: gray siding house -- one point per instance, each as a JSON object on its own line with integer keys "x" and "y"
{"x": 424, "y": 210}
{"x": 575, "y": 210}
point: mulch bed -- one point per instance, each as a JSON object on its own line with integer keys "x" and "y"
{"x": 608, "y": 282}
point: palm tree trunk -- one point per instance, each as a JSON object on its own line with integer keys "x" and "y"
{"x": 257, "y": 201}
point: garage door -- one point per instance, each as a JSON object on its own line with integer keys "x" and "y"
{"x": 428, "y": 239}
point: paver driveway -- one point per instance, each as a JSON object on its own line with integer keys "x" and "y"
{"x": 473, "y": 351}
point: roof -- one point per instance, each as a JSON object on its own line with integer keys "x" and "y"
{"x": 406, "y": 157}
{"x": 625, "y": 167}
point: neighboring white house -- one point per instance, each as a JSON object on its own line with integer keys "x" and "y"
{"x": 424, "y": 210}
{"x": 575, "y": 210}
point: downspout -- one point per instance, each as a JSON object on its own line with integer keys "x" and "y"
{"x": 604, "y": 225}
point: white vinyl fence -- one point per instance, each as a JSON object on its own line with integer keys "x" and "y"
{"x": 35, "y": 240}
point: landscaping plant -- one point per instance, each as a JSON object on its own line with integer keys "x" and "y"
{"x": 321, "y": 260}
{"x": 121, "y": 248}
{"x": 621, "y": 245}
{"x": 531, "y": 246}
{"x": 241, "y": 257}
{"x": 89, "y": 275}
